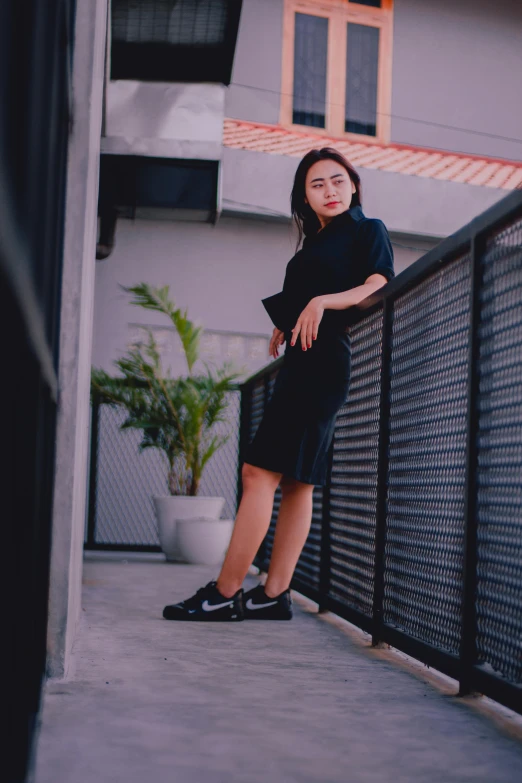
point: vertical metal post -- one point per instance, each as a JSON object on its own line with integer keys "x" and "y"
{"x": 93, "y": 475}
{"x": 382, "y": 471}
{"x": 326, "y": 540}
{"x": 468, "y": 641}
{"x": 266, "y": 380}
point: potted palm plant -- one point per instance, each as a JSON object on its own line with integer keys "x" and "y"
{"x": 177, "y": 416}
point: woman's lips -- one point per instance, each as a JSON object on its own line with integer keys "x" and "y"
{"x": 332, "y": 204}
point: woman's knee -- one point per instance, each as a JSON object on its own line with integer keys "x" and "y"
{"x": 251, "y": 475}
{"x": 290, "y": 486}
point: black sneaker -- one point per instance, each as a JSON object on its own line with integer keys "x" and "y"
{"x": 258, "y": 605}
{"x": 207, "y": 605}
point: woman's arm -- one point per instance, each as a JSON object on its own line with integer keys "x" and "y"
{"x": 353, "y": 296}
{"x": 308, "y": 322}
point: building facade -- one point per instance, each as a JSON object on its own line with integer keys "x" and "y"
{"x": 400, "y": 87}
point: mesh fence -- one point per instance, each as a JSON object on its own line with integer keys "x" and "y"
{"x": 427, "y": 457}
{"x": 162, "y": 21}
{"x": 499, "y": 479}
{"x": 126, "y": 481}
{"x": 353, "y": 493}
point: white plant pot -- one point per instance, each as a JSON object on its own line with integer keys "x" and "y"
{"x": 172, "y": 508}
{"x": 204, "y": 541}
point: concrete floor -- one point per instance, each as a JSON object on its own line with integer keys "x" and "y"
{"x": 153, "y": 701}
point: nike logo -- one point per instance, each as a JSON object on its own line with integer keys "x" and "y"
{"x": 251, "y": 605}
{"x": 212, "y": 607}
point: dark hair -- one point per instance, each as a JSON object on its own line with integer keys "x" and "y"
{"x": 305, "y": 218}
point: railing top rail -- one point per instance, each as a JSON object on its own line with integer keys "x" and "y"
{"x": 498, "y": 215}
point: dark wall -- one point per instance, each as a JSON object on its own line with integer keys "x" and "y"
{"x": 35, "y": 60}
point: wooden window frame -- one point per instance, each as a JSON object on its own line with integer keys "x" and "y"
{"x": 339, "y": 13}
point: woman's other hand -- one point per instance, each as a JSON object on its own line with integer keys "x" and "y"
{"x": 278, "y": 338}
{"x": 308, "y": 323}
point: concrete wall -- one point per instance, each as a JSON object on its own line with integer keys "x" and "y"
{"x": 75, "y": 337}
{"x": 164, "y": 120}
{"x": 458, "y": 64}
{"x": 455, "y": 64}
{"x": 254, "y": 93}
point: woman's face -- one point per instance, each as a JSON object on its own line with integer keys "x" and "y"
{"x": 328, "y": 189}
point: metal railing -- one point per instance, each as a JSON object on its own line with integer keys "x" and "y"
{"x": 417, "y": 536}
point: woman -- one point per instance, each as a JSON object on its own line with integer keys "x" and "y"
{"x": 345, "y": 257}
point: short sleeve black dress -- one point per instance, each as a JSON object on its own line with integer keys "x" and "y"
{"x": 297, "y": 427}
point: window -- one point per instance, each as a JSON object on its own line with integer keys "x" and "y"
{"x": 337, "y": 67}
{"x": 158, "y": 187}
{"x": 166, "y": 40}
{"x": 311, "y": 40}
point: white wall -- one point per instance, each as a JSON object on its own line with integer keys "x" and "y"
{"x": 75, "y": 337}
{"x": 458, "y": 65}
{"x": 165, "y": 120}
{"x": 254, "y": 92}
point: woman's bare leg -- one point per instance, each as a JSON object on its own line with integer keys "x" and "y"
{"x": 292, "y": 528}
{"x": 250, "y": 528}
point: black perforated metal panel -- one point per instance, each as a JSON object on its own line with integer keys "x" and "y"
{"x": 499, "y": 478}
{"x": 308, "y": 565}
{"x": 427, "y": 457}
{"x": 353, "y": 494}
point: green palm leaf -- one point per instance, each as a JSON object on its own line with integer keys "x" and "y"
{"x": 175, "y": 415}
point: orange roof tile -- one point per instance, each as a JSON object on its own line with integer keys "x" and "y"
{"x": 399, "y": 158}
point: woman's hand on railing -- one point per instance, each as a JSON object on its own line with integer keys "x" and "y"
{"x": 308, "y": 323}
{"x": 278, "y": 338}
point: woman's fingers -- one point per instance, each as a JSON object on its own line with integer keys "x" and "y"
{"x": 307, "y": 334}
{"x": 277, "y": 339}
{"x": 308, "y": 330}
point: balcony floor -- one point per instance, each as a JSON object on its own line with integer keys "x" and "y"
{"x": 306, "y": 701}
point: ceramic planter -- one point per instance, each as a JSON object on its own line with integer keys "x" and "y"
{"x": 204, "y": 541}
{"x": 172, "y": 508}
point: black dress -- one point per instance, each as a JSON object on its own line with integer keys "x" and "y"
{"x": 297, "y": 427}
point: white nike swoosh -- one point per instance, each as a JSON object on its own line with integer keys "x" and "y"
{"x": 212, "y": 607}
{"x": 250, "y": 605}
